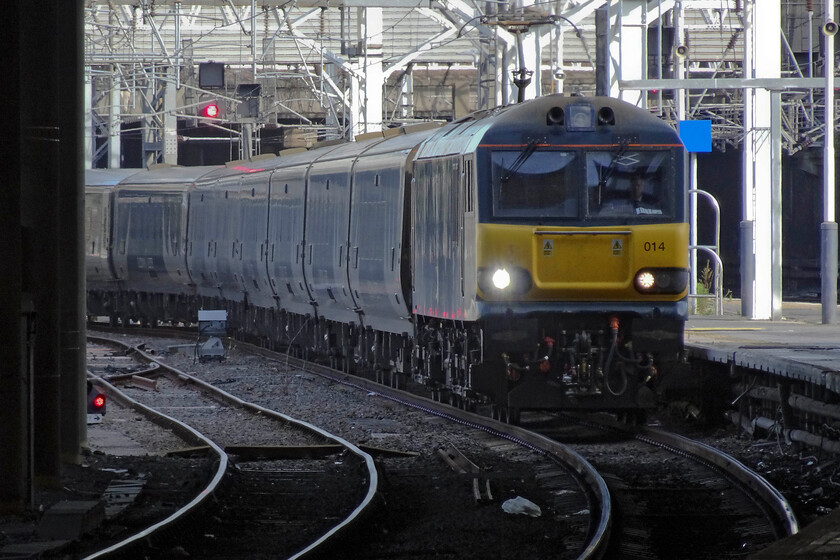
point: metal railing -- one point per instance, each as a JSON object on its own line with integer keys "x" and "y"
{"x": 716, "y": 290}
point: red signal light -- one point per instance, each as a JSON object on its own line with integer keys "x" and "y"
{"x": 95, "y": 400}
{"x": 211, "y": 110}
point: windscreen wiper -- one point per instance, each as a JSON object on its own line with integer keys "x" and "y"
{"x": 605, "y": 176}
{"x": 530, "y": 148}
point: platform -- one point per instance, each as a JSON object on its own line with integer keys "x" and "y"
{"x": 798, "y": 346}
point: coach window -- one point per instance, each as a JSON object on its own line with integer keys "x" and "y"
{"x": 534, "y": 183}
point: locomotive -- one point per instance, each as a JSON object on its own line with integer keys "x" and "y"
{"x": 532, "y": 256}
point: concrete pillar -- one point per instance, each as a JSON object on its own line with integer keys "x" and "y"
{"x": 828, "y": 272}
{"x": 115, "y": 123}
{"x": 71, "y": 202}
{"x": 622, "y": 44}
{"x": 747, "y": 267}
{"x": 762, "y": 59}
{"x": 41, "y": 108}
{"x": 776, "y": 205}
{"x": 353, "y": 117}
{"x": 90, "y": 142}
{"x": 15, "y": 437}
{"x": 371, "y": 37}
{"x": 628, "y": 45}
{"x": 828, "y": 253}
{"x": 680, "y": 61}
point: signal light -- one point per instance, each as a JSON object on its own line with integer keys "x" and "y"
{"x": 211, "y": 110}
{"x": 96, "y": 402}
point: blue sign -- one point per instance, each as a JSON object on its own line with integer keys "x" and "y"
{"x": 696, "y": 135}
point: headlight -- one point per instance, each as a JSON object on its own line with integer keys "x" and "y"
{"x": 661, "y": 280}
{"x": 501, "y": 279}
{"x": 504, "y": 281}
{"x": 645, "y": 280}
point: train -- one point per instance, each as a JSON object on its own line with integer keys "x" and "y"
{"x": 529, "y": 257}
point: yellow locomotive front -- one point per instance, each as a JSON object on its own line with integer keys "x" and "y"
{"x": 579, "y": 248}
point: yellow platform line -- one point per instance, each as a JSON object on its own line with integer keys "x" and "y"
{"x": 693, "y": 329}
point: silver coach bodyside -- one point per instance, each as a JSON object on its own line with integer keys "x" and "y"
{"x": 214, "y": 249}
{"x": 379, "y": 264}
{"x": 150, "y": 229}
{"x": 445, "y": 216}
{"x": 327, "y": 249}
{"x": 286, "y": 235}
{"x": 99, "y": 194}
{"x": 228, "y": 233}
{"x": 253, "y": 238}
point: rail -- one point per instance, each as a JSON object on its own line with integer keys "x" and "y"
{"x": 190, "y": 435}
{"x": 777, "y": 506}
{"x": 562, "y": 454}
{"x": 186, "y": 433}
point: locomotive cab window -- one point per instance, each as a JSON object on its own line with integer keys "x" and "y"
{"x": 629, "y": 184}
{"x": 530, "y": 182}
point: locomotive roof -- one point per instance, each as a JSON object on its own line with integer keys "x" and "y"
{"x": 524, "y": 122}
{"x": 533, "y": 117}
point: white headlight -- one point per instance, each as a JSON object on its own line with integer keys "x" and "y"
{"x": 501, "y": 279}
{"x": 646, "y": 280}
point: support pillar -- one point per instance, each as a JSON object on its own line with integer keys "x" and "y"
{"x": 115, "y": 123}
{"x": 762, "y": 59}
{"x": 371, "y": 41}
{"x": 71, "y": 201}
{"x": 15, "y": 437}
{"x": 41, "y": 182}
{"x": 352, "y": 120}
{"x": 776, "y": 205}
{"x": 828, "y": 254}
{"x": 747, "y": 268}
{"x": 170, "y": 121}
{"x": 828, "y": 272}
{"x": 626, "y": 43}
{"x": 90, "y": 141}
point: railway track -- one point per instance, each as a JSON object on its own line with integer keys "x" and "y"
{"x": 422, "y": 518}
{"x": 740, "y": 511}
{"x": 675, "y": 497}
{"x": 264, "y": 497}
